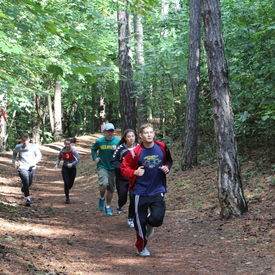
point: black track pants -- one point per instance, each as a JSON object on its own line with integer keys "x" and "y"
{"x": 68, "y": 175}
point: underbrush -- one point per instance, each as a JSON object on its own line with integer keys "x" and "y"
{"x": 197, "y": 187}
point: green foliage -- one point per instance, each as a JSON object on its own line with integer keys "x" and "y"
{"x": 44, "y": 41}
{"x": 55, "y": 70}
{"x": 249, "y": 39}
{"x": 164, "y": 74}
{"x": 75, "y": 42}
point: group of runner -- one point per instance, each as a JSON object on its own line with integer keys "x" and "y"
{"x": 132, "y": 169}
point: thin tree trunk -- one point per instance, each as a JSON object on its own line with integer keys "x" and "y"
{"x": 3, "y": 123}
{"x": 93, "y": 113}
{"x": 102, "y": 113}
{"x": 127, "y": 101}
{"x": 141, "y": 99}
{"x": 37, "y": 120}
{"x": 164, "y": 8}
{"x": 57, "y": 112}
{"x": 230, "y": 189}
{"x": 51, "y": 112}
{"x": 189, "y": 158}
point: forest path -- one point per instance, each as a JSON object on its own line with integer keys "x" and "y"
{"x": 52, "y": 237}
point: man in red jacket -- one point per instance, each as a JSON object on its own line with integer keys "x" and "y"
{"x": 146, "y": 167}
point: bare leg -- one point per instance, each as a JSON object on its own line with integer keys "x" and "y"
{"x": 109, "y": 197}
{"x": 102, "y": 190}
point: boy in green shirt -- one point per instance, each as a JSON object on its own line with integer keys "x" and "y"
{"x": 102, "y": 152}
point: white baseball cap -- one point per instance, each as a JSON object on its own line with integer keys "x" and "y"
{"x": 109, "y": 126}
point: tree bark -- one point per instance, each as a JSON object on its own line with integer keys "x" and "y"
{"x": 189, "y": 158}
{"x": 127, "y": 101}
{"x": 102, "y": 113}
{"x": 57, "y": 112}
{"x": 37, "y": 120}
{"x": 230, "y": 189}
{"x": 51, "y": 116}
{"x": 141, "y": 98}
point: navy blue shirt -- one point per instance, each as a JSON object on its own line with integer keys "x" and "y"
{"x": 153, "y": 181}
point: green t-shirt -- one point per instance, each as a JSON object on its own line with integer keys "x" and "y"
{"x": 104, "y": 149}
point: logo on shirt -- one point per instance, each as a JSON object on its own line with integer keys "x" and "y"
{"x": 152, "y": 161}
{"x": 111, "y": 147}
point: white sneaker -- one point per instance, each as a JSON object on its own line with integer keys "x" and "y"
{"x": 149, "y": 231}
{"x": 131, "y": 223}
{"x": 144, "y": 252}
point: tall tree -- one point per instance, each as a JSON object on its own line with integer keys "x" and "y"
{"x": 165, "y": 34}
{"x": 230, "y": 189}
{"x": 38, "y": 117}
{"x": 127, "y": 101}
{"x": 57, "y": 112}
{"x": 189, "y": 158}
{"x": 141, "y": 98}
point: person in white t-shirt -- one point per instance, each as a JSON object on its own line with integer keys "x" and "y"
{"x": 28, "y": 155}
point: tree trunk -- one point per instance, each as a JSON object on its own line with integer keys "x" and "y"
{"x": 37, "y": 120}
{"x": 51, "y": 116}
{"x": 94, "y": 108}
{"x": 230, "y": 189}
{"x": 102, "y": 113}
{"x": 189, "y": 158}
{"x": 164, "y": 8}
{"x": 57, "y": 112}
{"x": 127, "y": 102}
{"x": 3, "y": 123}
{"x": 141, "y": 99}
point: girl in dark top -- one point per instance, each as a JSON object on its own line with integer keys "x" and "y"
{"x": 127, "y": 143}
{"x": 70, "y": 159}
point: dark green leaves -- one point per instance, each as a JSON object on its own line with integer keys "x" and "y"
{"x": 55, "y": 70}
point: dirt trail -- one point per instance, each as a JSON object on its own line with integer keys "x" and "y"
{"x": 54, "y": 238}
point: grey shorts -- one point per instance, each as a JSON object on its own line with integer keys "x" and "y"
{"x": 106, "y": 177}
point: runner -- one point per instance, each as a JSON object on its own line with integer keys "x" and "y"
{"x": 28, "y": 155}
{"x": 70, "y": 159}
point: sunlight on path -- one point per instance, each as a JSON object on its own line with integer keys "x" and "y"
{"x": 54, "y": 238}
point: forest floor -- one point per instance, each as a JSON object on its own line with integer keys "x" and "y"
{"x": 52, "y": 237}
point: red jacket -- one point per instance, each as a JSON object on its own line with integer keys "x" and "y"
{"x": 130, "y": 163}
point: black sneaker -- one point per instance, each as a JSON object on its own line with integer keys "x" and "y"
{"x": 67, "y": 201}
{"x": 28, "y": 203}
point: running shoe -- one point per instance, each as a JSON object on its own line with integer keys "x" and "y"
{"x": 108, "y": 211}
{"x": 28, "y": 202}
{"x": 119, "y": 210}
{"x": 130, "y": 223}
{"x": 144, "y": 252}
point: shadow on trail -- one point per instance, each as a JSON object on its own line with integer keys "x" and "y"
{"x": 52, "y": 237}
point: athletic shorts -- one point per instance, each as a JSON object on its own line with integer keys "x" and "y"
{"x": 106, "y": 177}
